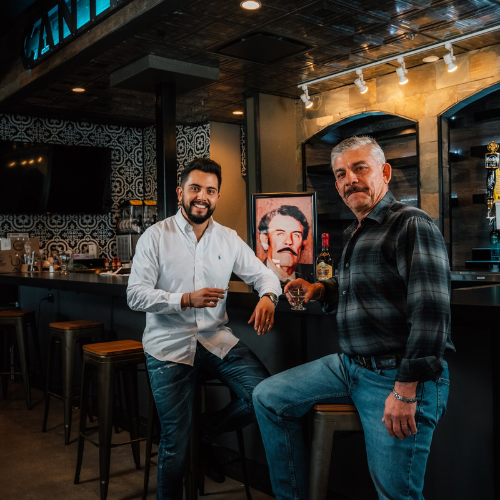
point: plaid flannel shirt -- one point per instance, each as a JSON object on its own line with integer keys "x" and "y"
{"x": 392, "y": 291}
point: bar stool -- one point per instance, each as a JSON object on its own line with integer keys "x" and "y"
{"x": 194, "y": 481}
{"x": 109, "y": 357}
{"x": 19, "y": 321}
{"x": 328, "y": 419}
{"x": 68, "y": 333}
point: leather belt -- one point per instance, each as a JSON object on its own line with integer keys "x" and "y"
{"x": 382, "y": 362}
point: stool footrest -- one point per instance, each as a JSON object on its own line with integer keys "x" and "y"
{"x": 113, "y": 445}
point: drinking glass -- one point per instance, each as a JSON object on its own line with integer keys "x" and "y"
{"x": 222, "y": 287}
{"x": 63, "y": 260}
{"x": 297, "y": 295}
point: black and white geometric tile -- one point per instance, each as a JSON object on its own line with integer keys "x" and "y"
{"x": 133, "y": 175}
{"x": 74, "y": 232}
{"x": 192, "y": 142}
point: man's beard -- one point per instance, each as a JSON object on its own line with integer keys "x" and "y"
{"x": 197, "y": 219}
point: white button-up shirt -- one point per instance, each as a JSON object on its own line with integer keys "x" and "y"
{"x": 168, "y": 262}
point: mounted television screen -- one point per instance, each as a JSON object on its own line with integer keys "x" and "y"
{"x": 51, "y": 178}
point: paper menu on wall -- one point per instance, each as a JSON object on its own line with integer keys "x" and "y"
{"x": 5, "y": 244}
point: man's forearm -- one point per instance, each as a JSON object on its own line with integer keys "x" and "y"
{"x": 406, "y": 389}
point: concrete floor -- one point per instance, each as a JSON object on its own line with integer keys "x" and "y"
{"x": 38, "y": 466}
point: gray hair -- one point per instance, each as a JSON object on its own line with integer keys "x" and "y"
{"x": 357, "y": 142}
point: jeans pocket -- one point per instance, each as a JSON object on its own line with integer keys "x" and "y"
{"x": 443, "y": 392}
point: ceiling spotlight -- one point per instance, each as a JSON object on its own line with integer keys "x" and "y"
{"x": 237, "y": 112}
{"x": 401, "y": 71}
{"x": 78, "y": 89}
{"x": 449, "y": 58}
{"x": 359, "y": 82}
{"x": 251, "y": 5}
{"x": 305, "y": 97}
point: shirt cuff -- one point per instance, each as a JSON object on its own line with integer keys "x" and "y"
{"x": 172, "y": 306}
{"x": 330, "y": 298}
{"x": 419, "y": 369}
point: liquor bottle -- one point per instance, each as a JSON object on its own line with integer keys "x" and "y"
{"x": 113, "y": 263}
{"x": 495, "y": 242}
{"x": 106, "y": 264}
{"x": 325, "y": 263}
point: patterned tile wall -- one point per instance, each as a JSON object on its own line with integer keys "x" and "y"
{"x": 133, "y": 160}
{"x": 192, "y": 142}
{"x": 74, "y": 232}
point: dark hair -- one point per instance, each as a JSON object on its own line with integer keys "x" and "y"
{"x": 203, "y": 164}
{"x": 287, "y": 210}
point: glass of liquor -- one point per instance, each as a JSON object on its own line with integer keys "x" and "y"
{"x": 63, "y": 260}
{"x": 222, "y": 287}
{"x": 297, "y": 294}
{"x": 325, "y": 264}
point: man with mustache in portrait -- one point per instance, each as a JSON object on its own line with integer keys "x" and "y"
{"x": 179, "y": 277}
{"x": 282, "y": 234}
{"x": 391, "y": 298}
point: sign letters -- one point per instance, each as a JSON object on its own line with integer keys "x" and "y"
{"x": 60, "y": 24}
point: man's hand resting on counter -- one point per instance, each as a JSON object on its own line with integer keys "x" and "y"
{"x": 263, "y": 316}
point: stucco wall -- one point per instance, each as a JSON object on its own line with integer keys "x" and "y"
{"x": 431, "y": 90}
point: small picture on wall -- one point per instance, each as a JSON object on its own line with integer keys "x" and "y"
{"x": 284, "y": 233}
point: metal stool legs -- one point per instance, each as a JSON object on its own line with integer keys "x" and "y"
{"x": 338, "y": 418}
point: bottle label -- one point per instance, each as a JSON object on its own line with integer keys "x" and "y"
{"x": 323, "y": 271}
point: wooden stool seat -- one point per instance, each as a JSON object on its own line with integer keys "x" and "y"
{"x": 68, "y": 334}
{"x": 79, "y": 324}
{"x": 19, "y": 321}
{"x": 328, "y": 418}
{"x": 115, "y": 348}
{"x": 336, "y": 408}
{"x": 14, "y": 314}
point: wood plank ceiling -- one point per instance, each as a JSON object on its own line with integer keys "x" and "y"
{"x": 338, "y": 34}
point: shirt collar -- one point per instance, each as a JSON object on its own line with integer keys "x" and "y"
{"x": 185, "y": 226}
{"x": 381, "y": 208}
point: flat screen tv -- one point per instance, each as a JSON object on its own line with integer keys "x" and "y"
{"x": 52, "y": 178}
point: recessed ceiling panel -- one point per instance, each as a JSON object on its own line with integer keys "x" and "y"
{"x": 262, "y": 48}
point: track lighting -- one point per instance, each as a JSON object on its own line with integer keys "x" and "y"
{"x": 449, "y": 58}
{"x": 305, "y": 97}
{"x": 359, "y": 82}
{"x": 401, "y": 71}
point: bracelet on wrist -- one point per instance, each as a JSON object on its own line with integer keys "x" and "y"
{"x": 402, "y": 398}
{"x": 189, "y": 300}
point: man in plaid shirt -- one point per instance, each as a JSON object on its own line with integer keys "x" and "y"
{"x": 392, "y": 301}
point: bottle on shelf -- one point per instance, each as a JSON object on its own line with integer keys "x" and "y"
{"x": 325, "y": 263}
{"x": 113, "y": 264}
{"x": 118, "y": 262}
{"x": 106, "y": 264}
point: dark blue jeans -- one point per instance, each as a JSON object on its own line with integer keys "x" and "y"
{"x": 397, "y": 467}
{"x": 173, "y": 387}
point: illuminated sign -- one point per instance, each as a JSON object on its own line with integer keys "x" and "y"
{"x": 60, "y": 24}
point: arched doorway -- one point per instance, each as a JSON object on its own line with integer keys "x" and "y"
{"x": 398, "y": 138}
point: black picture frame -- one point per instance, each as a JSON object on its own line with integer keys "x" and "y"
{"x": 263, "y": 203}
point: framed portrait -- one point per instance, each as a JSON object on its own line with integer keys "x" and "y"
{"x": 284, "y": 233}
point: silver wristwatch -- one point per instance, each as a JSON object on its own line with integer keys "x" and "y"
{"x": 273, "y": 297}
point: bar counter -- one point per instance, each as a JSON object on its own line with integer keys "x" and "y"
{"x": 466, "y": 446}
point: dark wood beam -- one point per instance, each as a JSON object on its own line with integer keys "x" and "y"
{"x": 166, "y": 149}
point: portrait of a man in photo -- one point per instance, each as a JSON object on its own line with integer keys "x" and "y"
{"x": 284, "y": 235}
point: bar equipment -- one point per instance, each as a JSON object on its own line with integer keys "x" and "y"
{"x": 134, "y": 218}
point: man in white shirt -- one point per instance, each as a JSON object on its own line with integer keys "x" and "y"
{"x": 182, "y": 267}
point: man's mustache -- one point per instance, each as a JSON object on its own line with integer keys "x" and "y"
{"x": 288, "y": 250}
{"x": 354, "y": 189}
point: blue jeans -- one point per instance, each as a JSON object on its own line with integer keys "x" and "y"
{"x": 173, "y": 386}
{"x": 396, "y": 467}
